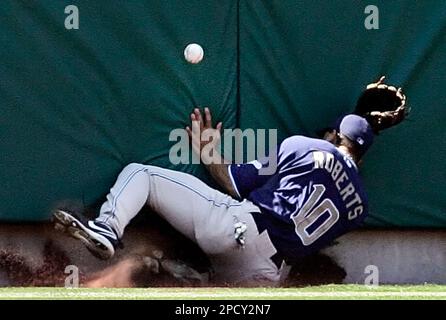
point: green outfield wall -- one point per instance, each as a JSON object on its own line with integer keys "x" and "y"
{"x": 78, "y": 105}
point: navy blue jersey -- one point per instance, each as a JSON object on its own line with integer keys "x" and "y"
{"x": 314, "y": 195}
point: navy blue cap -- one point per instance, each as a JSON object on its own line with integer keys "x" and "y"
{"x": 358, "y": 130}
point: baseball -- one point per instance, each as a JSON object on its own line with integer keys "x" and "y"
{"x": 193, "y": 53}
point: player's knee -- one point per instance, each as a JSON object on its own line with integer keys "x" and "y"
{"x": 138, "y": 167}
{"x": 134, "y": 166}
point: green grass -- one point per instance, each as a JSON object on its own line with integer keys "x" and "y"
{"x": 356, "y": 292}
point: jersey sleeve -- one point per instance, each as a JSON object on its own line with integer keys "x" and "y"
{"x": 249, "y": 176}
{"x": 252, "y": 175}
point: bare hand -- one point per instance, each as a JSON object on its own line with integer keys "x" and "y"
{"x": 202, "y": 133}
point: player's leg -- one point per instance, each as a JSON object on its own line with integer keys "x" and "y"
{"x": 102, "y": 236}
{"x": 184, "y": 201}
{"x": 181, "y": 199}
{"x": 208, "y": 217}
{"x": 204, "y": 215}
{"x": 126, "y": 198}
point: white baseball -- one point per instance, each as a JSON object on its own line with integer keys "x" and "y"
{"x": 193, "y": 53}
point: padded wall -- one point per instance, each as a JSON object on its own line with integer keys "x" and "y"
{"x": 78, "y": 105}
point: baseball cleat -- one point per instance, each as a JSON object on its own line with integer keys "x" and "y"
{"x": 99, "y": 238}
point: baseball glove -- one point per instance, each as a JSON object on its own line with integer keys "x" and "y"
{"x": 383, "y": 106}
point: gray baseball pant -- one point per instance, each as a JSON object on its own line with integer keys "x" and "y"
{"x": 204, "y": 215}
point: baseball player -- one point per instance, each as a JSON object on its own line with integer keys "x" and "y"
{"x": 262, "y": 222}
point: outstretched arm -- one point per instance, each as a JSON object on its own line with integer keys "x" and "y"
{"x": 205, "y": 140}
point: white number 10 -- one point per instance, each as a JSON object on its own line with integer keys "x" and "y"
{"x": 309, "y": 214}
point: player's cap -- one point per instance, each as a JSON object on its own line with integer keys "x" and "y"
{"x": 358, "y": 130}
